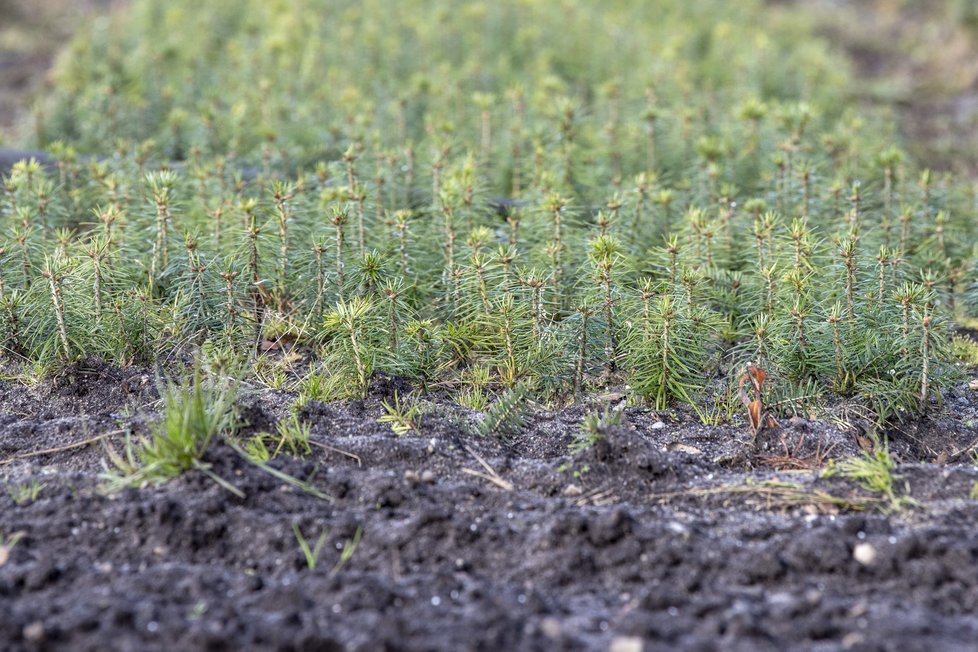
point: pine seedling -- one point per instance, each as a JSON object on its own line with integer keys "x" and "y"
{"x": 646, "y": 292}
{"x": 12, "y": 307}
{"x": 229, "y": 276}
{"x": 350, "y": 318}
{"x": 283, "y": 193}
{"x": 427, "y": 349}
{"x": 22, "y": 236}
{"x": 585, "y": 312}
{"x": 393, "y": 290}
{"x": 556, "y": 205}
{"x": 338, "y": 218}
{"x": 883, "y": 260}
{"x": 450, "y": 279}
{"x": 359, "y": 195}
{"x": 507, "y": 313}
{"x": 650, "y": 115}
{"x": 54, "y": 272}
{"x": 763, "y": 231}
{"x": 874, "y": 472}
{"x": 605, "y": 254}
{"x": 665, "y": 198}
{"x": 369, "y": 274}
{"x": 317, "y": 251}
{"x": 401, "y": 223}
{"x": 847, "y": 251}
{"x": 673, "y": 249}
{"x": 108, "y": 217}
{"x": 506, "y": 256}
{"x": 908, "y": 296}
{"x": 855, "y": 201}
{"x": 507, "y": 414}
{"x": 643, "y": 183}
{"x": 514, "y": 218}
{"x": 566, "y": 112}
{"x": 843, "y": 379}
{"x": 802, "y": 247}
{"x": 889, "y": 160}
{"x": 668, "y": 365}
{"x": 926, "y": 343}
{"x": 161, "y": 185}
{"x": 535, "y": 282}
{"x": 62, "y": 240}
{"x": 926, "y": 182}
{"x": 906, "y": 215}
{"x": 97, "y": 251}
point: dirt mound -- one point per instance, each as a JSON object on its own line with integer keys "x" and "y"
{"x": 664, "y": 531}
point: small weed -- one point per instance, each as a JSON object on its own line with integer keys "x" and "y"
{"x": 293, "y": 434}
{"x": 195, "y": 412}
{"x": 965, "y": 350}
{"x": 581, "y": 472}
{"x": 402, "y": 417}
{"x": 198, "y": 611}
{"x": 25, "y": 493}
{"x": 311, "y": 554}
{"x": 873, "y": 471}
{"x": 473, "y": 398}
{"x": 349, "y": 547}
{"x": 7, "y": 543}
{"x": 594, "y": 426}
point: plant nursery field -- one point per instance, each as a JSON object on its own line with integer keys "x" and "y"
{"x": 515, "y": 325}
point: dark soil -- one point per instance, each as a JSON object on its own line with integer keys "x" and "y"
{"x": 665, "y": 534}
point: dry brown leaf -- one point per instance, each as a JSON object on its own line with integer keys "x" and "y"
{"x": 754, "y": 412}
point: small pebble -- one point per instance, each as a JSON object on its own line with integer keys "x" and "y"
{"x": 411, "y": 477}
{"x": 864, "y": 553}
{"x": 798, "y": 423}
{"x": 658, "y": 425}
{"x": 427, "y": 477}
{"x": 550, "y": 627}
{"x": 34, "y": 633}
{"x": 572, "y": 491}
{"x": 626, "y": 644}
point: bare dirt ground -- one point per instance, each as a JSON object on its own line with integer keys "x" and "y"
{"x": 666, "y": 534}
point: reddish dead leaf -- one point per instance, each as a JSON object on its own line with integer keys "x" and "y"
{"x": 754, "y": 412}
{"x": 755, "y": 406}
{"x": 757, "y": 377}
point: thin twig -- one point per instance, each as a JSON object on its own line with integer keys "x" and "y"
{"x": 353, "y": 456}
{"x": 490, "y": 473}
{"x": 494, "y": 479}
{"x": 59, "y": 449}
